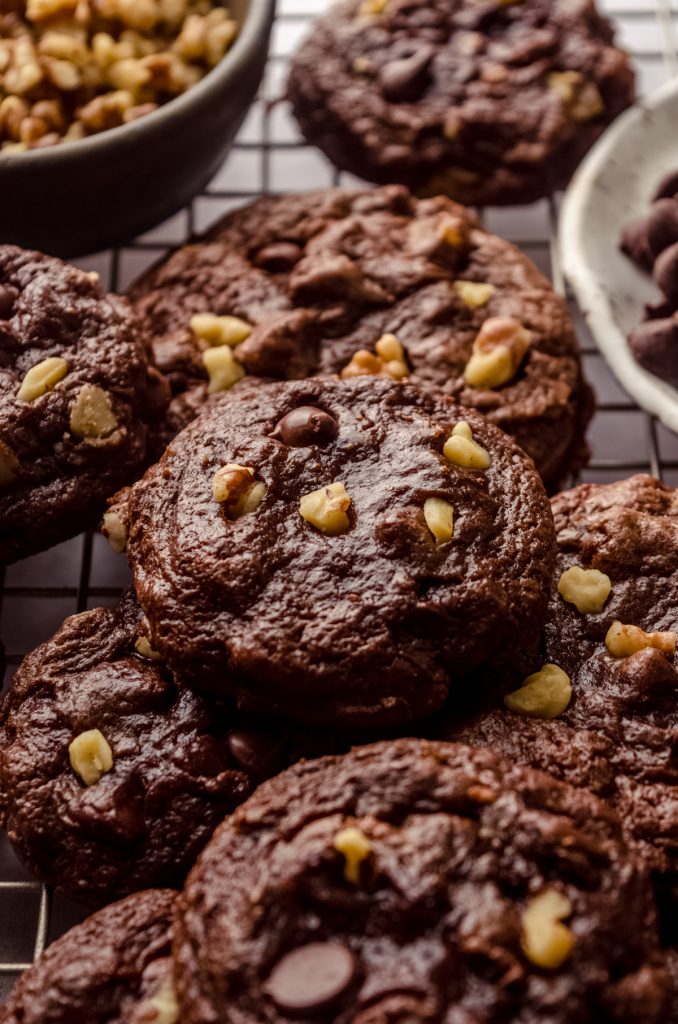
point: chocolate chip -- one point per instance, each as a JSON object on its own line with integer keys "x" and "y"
{"x": 655, "y": 346}
{"x": 658, "y": 310}
{"x": 404, "y": 80}
{"x": 634, "y": 242}
{"x": 667, "y": 187}
{"x": 7, "y": 299}
{"x": 278, "y": 256}
{"x": 662, "y": 225}
{"x": 306, "y": 425}
{"x": 259, "y": 753}
{"x": 665, "y": 272}
{"x": 312, "y": 978}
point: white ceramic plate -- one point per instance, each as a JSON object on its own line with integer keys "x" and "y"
{"x": 615, "y": 183}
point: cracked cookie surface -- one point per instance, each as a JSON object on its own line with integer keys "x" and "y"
{"x": 136, "y": 773}
{"x": 304, "y": 284}
{"x": 115, "y": 966}
{"x": 359, "y": 566}
{"x": 619, "y": 732}
{"x": 77, "y": 396}
{"x": 418, "y": 881}
{"x": 486, "y": 101}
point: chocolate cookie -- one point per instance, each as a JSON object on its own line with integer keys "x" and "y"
{"x": 112, "y": 779}
{"x": 611, "y": 630}
{"x": 371, "y": 283}
{"x": 486, "y": 101}
{"x": 77, "y": 395}
{"x": 115, "y": 966}
{"x": 341, "y": 550}
{"x": 417, "y": 881}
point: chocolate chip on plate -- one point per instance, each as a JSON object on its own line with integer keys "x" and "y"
{"x": 655, "y": 346}
{"x": 665, "y": 272}
{"x": 635, "y": 244}
{"x": 662, "y": 226}
{"x": 667, "y": 187}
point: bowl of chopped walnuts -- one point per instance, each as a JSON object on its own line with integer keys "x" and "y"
{"x": 115, "y": 113}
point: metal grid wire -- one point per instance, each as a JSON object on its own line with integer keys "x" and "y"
{"x": 269, "y": 156}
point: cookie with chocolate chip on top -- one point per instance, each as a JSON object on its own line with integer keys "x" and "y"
{"x": 376, "y": 284}
{"x": 419, "y": 881}
{"x": 111, "y": 778}
{"x": 78, "y": 398}
{"x": 487, "y": 101}
{"x": 114, "y": 966}
{"x": 341, "y": 550}
{"x": 602, "y": 712}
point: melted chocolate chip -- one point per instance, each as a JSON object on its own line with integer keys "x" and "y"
{"x": 665, "y": 272}
{"x": 306, "y": 425}
{"x": 312, "y": 978}
{"x": 259, "y": 753}
{"x": 7, "y": 299}
{"x": 278, "y": 256}
{"x": 662, "y": 225}
{"x": 405, "y": 80}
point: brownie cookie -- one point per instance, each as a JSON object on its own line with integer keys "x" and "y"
{"x": 115, "y": 966}
{"x": 486, "y": 101}
{"x": 611, "y": 703}
{"x": 341, "y": 550}
{"x": 418, "y": 881}
{"x": 371, "y": 283}
{"x": 77, "y": 395}
{"x": 112, "y": 779}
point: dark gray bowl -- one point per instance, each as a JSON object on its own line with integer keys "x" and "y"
{"x": 84, "y": 196}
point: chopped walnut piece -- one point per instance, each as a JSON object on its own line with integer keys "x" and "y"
{"x": 439, "y": 516}
{"x": 454, "y": 231}
{"x": 544, "y": 694}
{"x": 586, "y": 589}
{"x": 546, "y": 941}
{"x": 9, "y": 465}
{"x": 90, "y": 756}
{"x": 580, "y": 98}
{"x": 223, "y": 369}
{"x": 623, "y": 640}
{"x": 41, "y": 378}
{"x": 114, "y": 529}
{"x": 498, "y": 350}
{"x": 372, "y": 7}
{"x": 160, "y": 1007}
{"x": 356, "y": 848}
{"x": 235, "y": 488}
{"x": 92, "y": 415}
{"x": 220, "y": 330}
{"x": 389, "y": 361}
{"x": 143, "y": 647}
{"x": 327, "y": 508}
{"x": 474, "y": 294}
{"x": 462, "y": 450}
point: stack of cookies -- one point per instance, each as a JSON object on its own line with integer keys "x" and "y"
{"x": 378, "y": 733}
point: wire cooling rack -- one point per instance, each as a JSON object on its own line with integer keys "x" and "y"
{"x": 269, "y": 156}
